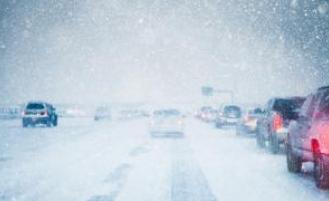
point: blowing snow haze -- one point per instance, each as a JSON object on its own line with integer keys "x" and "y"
{"x": 152, "y": 50}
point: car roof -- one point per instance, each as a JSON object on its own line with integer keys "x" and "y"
{"x": 289, "y": 98}
{"x": 36, "y": 102}
{"x": 323, "y": 88}
{"x": 39, "y": 102}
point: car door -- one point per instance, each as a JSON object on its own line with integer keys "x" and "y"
{"x": 300, "y": 128}
{"x": 320, "y": 120}
{"x": 305, "y": 122}
{"x": 269, "y": 116}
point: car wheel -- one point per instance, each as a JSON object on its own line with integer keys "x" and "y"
{"x": 49, "y": 123}
{"x": 260, "y": 140}
{"x": 55, "y": 123}
{"x": 274, "y": 144}
{"x": 218, "y": 125}
{"x": 294, "y": 164}
{"x": 321, "y": 172}
{"x": 25, "y": 124}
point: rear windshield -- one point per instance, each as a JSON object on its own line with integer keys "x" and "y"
{"x": 232, "y": 110}
{"x": 167, "y": 113}
{"x": 287, "y": 105}
{"x": 35, "y": 106}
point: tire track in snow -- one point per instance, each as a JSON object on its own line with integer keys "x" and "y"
{"x": 188, "y": 181}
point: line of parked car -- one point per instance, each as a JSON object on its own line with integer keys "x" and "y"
{"x": 297, "y": 125}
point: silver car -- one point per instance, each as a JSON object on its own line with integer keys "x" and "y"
{"x": 169, "y": 122}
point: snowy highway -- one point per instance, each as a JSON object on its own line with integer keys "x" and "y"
{"x": 106, "y": 161}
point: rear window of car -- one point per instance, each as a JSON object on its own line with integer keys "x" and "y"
{"x": 287, "y": 105}
{"x": 232, "y": 109}
{"x": 35, "y": 106}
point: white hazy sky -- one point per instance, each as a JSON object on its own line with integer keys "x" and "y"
{"x": 112, "y": 51}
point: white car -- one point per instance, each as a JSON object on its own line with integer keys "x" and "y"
{"x": 169, "y": 122}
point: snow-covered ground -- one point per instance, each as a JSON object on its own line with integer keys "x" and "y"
{"x": 83, "y": 160}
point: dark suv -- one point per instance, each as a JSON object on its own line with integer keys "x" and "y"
{"x": 229, "y": 115}
{"x": 308, "y": 137}
{"x": 273, "y": 126}
{"x": 39, "y": 113}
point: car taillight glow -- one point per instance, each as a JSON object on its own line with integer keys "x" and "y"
{"x": 277, "y": 122}
{"x": 247, "y": 118}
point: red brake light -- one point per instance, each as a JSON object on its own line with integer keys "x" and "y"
{"x": 277, "y": 122}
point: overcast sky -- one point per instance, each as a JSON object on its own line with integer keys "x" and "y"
{"x": 87, "y": 51}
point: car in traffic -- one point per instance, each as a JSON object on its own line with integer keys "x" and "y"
{"x": 248, "y": 122}
{"x": 39, "y": 113}
{"x": 207, "y": 114}
{"x": 273, "y": 126}
{"x": 308, "y": 137}
{"x": 103, "y": 113}
{"x": 168, "y": 122}
{"x": 229, "y": 115}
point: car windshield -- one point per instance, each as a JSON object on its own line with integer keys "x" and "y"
{"x": 35, "y": 106}
{"x": 163, "y": 100}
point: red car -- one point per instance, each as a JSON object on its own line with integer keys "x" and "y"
{"x": 308, "y": 137}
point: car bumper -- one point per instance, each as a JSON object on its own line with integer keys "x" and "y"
{"x": 248, "y": 129}
{"x": 282, "y": 134}
{"x": 228, "y": 121}
{"x": 167, "y": 129}
{"x": 35, "y": 120}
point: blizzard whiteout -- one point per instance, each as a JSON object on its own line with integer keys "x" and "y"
{"x": 164, "y": 100}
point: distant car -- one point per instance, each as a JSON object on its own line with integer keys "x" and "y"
{"x": 36, "y": 113}
{"x": 207, "y": 114}
{"x": 248, "y": 122}
{"x": 169, "y": 122}
{"x": 103, "y": 113}
{"x": 273, "y": 126}
{"x": 229, "y": 115}
{"x": 308, "y": 137}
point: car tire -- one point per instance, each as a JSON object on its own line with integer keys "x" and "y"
{"x": 260, "y": 140}
{"x": 25, "y": 124}
{"x": 274, "y": 144}
{"x": 49, "y": 123}
{"x": 55, "y": 123}
{"x": 294, "y": 164}
{"x": 219, "y": 125}
{"x": 321, "y": 172}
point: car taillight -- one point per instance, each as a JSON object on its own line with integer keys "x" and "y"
{"x": 247, "y": 118}
{"x": 277, "y": 122}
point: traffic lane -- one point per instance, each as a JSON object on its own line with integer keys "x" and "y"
{"x": 16, "y": 141}
{"x": 165, "y": 170}
{"x": 236, "y": 169}
{"x": 73, "y": 169}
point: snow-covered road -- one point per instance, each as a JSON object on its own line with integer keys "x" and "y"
{"x": 83, "y": 160}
